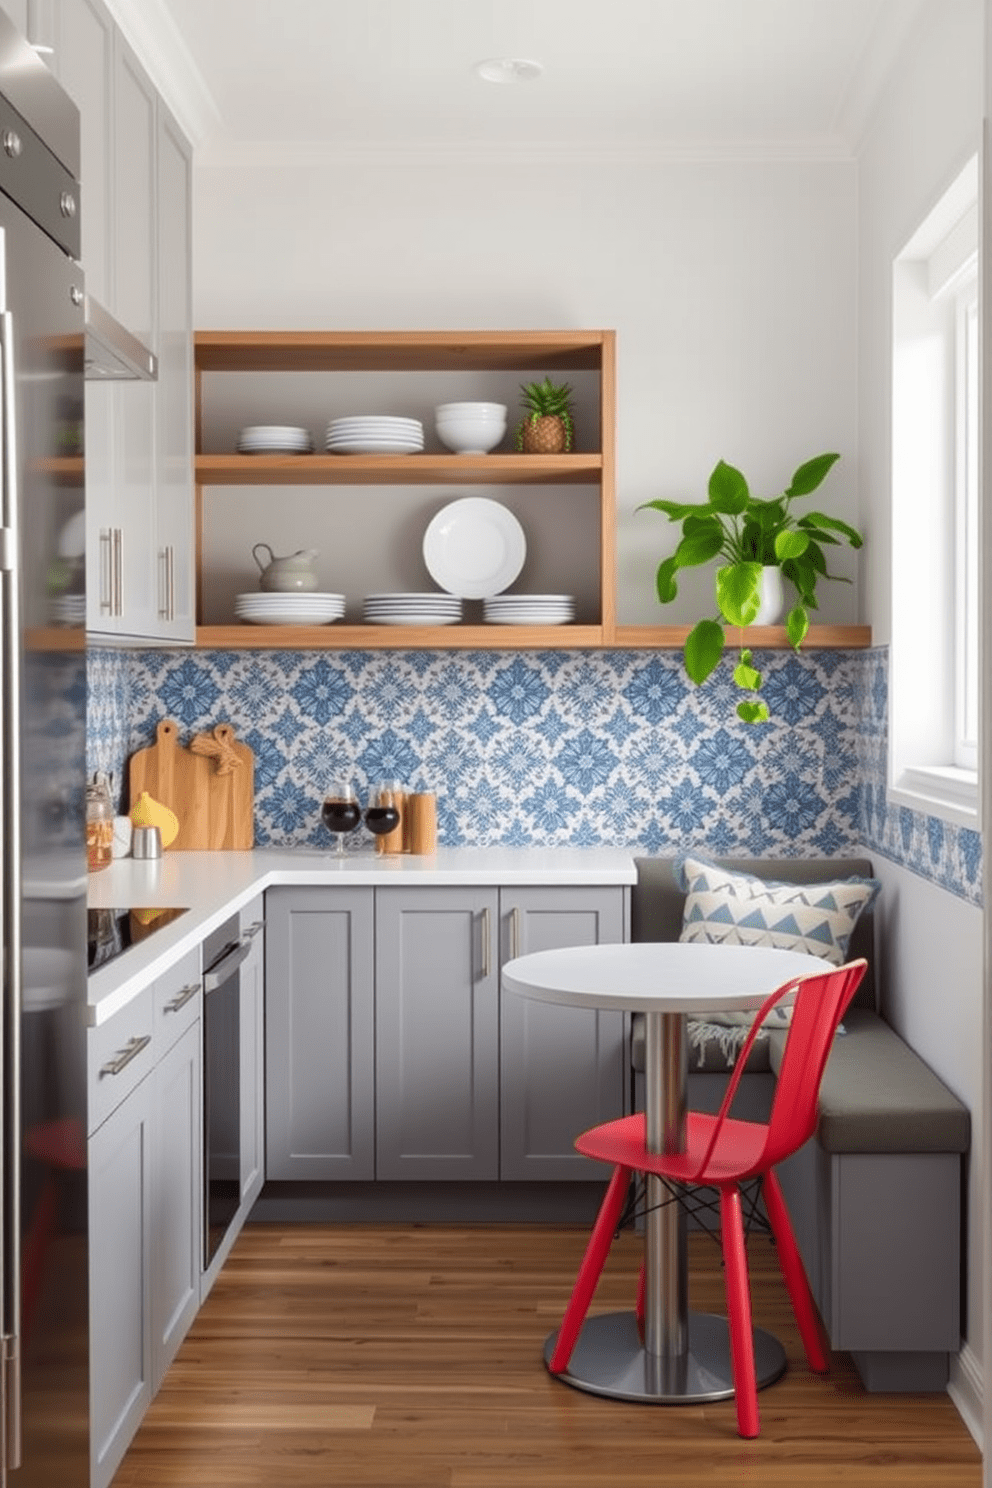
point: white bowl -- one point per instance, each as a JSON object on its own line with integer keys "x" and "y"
{"x": 470, "y": 434}
{"x": 482, "y": 410}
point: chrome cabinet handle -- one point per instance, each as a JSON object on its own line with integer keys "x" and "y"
{"x": 182, "y": 998}
{"x": 167, "y": 576}
{"x": 130, "y": 1051}
{"x": 117, "y": 584}
{"x": 224, "y": 969}
{"x": 106, "y": 571}
{"x": 486, "y": 950}
{"x": 253, "y": 929}
{"x": 515, "y": 931}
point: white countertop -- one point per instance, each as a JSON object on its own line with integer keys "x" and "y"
{"x": 215, "y": 885}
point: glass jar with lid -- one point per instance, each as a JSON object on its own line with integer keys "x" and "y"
{"x": 99, "y": 823}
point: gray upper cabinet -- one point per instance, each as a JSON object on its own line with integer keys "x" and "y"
{"x": 174, "y": 556}
{"x": 319, "y": 1021}
{"x": 562, "y": 1069}
{"x": 137, "y": 243}
{"x": 437, "y": 979}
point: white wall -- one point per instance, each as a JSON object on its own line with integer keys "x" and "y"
{"x": 731, "y": 286}
{"x": 925, "y": 128}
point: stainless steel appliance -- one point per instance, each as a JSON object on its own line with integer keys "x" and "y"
{"x": 224, "y": 952}
{"x": 43, "y": 1230}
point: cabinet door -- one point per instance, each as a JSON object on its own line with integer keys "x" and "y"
{"x": 436, "y": 1033}
{"x": 562, "y": 1069}
{"x": 119, "y": 1227}
{"x": 173, "y": 391}
{"x": 319, "y": 1020}
{"x": 176, "y": 1197}
{"x": 84, "y": 60}
{"x": 252, "y": 1087}
{"x": 135, "y": 261}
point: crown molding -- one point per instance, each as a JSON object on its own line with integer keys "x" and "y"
{"x": 151, "y": 32}
{"x": 284, "y": 155}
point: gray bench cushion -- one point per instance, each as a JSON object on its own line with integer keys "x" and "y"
{"x": 877, "y": 1094}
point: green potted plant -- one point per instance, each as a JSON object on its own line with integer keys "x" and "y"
{"x": 546, "y": 428}
{"x": 748, "y": 535}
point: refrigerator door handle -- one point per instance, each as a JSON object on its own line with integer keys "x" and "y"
{"x": 10, "y": 909}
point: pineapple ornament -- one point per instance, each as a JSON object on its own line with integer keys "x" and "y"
{"x": 546, "y": 428}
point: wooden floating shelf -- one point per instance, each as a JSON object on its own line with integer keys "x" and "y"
{"x": 400, "y": 637}
{"x": 510, "y": 637}
{"x": 397, "y": 351}
{"x": 397, "y": 470}
{"x": 758, "y": 637}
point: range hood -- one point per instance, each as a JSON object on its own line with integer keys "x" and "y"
{"x": 112, "y": 353}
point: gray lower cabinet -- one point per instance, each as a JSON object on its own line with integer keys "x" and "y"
{"x": 252, "y": 1085}
{"x": 144, "y": 1149}
{"x": 437, "y": 1033}
{"x": 562, "y": 1069}
{"x": 391, "y": 1054}
{"x": 120, "y": 1280}
{"x": 176, "y": 1198}
{"x": 319, "y": 1021}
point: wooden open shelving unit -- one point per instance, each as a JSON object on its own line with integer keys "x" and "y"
{"x": 537, "y": 352}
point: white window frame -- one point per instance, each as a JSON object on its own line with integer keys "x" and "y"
{"x": 933, "y": 680}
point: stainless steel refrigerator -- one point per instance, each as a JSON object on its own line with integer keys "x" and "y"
{"x": 44, "y": 1323}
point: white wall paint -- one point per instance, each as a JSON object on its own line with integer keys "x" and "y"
{"x": 925, "y": 128}
{"x": 731, "y": 286}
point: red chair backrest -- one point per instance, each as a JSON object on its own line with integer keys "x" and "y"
{"x": 820, "y": 1004}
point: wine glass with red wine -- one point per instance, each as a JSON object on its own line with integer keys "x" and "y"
{"x": 382, "y": 814}
{"x": 340, "y": 812}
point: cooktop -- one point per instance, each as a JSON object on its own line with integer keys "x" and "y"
{"x": 110, "y": 932}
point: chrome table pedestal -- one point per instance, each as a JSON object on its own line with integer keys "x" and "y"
{"x": 683, "y": 1357}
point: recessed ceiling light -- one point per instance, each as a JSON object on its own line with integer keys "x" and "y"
{"x": 509, "y": 70}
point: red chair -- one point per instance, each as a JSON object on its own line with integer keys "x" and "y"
{"x": 722, "y": 1153}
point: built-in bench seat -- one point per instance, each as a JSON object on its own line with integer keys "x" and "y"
{"x": 876, "y": 1195}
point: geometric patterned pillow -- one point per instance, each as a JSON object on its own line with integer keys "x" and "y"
{"x": 725, "y": 907}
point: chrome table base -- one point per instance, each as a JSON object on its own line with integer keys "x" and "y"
{"x": 610, "y": 1359}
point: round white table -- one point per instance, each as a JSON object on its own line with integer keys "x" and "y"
{"x": 684, "y": 1357}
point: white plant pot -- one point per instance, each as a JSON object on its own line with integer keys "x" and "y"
{"x": 772, "y": 596}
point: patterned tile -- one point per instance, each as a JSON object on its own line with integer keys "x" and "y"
{"x": 542, "y": 748}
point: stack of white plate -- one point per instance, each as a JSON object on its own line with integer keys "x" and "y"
{"x": 67, "y": 609}
{"x": 375, "y": 434}
{"x": 274, "y": 439}
{"x": 413, "y": 609}
{"x": 289, "y": 609}
{"x": 529, "y": 609}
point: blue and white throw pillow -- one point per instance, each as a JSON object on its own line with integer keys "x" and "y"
{"x": 732, "y": 908}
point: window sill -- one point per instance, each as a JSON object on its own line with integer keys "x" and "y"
{"x": 945, "y": 791}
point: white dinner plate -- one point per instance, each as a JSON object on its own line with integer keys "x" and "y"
{"x": 376, "y": 447}
{"x": 474, "y": 547}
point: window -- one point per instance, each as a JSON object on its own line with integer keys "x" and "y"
{"x": 934, "y": 677}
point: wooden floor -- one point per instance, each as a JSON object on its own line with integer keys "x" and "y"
{"x": 411, "y": 1356}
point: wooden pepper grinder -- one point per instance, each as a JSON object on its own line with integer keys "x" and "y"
{"x": 421, "y": 822}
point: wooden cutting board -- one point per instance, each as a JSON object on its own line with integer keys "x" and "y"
{"x": 210, "y": 786}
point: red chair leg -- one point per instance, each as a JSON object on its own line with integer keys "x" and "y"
{"x": 794, "y": 1275}
{"x": 739, "y": 1312}
{"x": 589, "y": 1272}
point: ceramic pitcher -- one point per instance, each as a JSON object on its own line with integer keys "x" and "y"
{"x": 292, "y": 574}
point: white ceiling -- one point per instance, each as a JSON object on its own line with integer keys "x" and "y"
{"x": 792, "y": 76}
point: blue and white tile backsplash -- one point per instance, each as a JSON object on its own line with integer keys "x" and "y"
{"x": 547, "y": 748}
